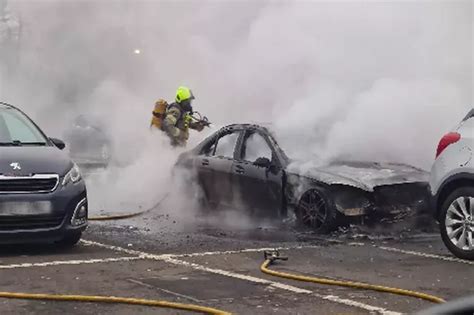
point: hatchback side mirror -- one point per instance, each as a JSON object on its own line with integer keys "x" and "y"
{"x": 263, "y": 162}
{"x": 58, "y": 143}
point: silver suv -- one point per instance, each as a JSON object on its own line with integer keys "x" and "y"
{"x": 452, "y": 188}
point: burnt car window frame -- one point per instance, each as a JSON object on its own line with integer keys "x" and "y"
{"x": 469, "y": 115}
{"x": 214, "y": 142}
{"x": 204, "y": 151}
{"x": 249, "y": 132}
{"x": 236, "y": 144}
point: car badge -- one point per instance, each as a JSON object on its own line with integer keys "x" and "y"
{"x": 15, "y": 166}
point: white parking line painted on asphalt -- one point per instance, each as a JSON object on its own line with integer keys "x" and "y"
{"x": 166, "y": 291}
{"x": 426, "y": 255}
{"x": 172, "y": 260}
{"x": 231, "y": 274}
{"x": 199, "y": 254}
{"x": 127, "y": 251}
{"x": 70, "y": 262}
{"x": 243, "y": 251}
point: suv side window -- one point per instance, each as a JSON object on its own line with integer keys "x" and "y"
{"x": 256, "y": 147}
{"x": 225, "y": 146}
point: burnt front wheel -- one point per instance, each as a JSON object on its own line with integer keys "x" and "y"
{"x": 316, "y": 211}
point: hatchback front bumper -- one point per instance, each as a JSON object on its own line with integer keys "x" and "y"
{"x": 54, "y": 220}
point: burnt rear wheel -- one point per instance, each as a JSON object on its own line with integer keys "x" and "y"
{"x": 316, "y": 211}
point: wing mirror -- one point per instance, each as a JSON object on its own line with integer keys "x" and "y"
{"x": 58, "y": 143}
{"x": 263, "y": 162}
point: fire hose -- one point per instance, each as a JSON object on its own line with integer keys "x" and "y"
{"x": 272, "y": 256}
{"x": 113, "y": 300}
{"x": 115, "y": 217}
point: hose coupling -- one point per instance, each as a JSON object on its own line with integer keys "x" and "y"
{"x": 273, "y": 255}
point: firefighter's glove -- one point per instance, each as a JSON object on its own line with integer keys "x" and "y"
{"x": 187, "y": 120}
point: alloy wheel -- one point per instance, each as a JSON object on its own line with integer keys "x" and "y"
{"x": 313, "y": 209}
{"x": 460, "y": 223}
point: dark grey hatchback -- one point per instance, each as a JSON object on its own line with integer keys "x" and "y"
{"x": 43, "y": 197}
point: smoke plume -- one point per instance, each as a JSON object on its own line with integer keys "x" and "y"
{"x": 377, "y": 80}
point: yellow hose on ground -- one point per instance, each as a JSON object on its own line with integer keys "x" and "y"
{"x": 113, "y": 300}
{"x": 126, "y": 215}
{"x": 349, "y": 284}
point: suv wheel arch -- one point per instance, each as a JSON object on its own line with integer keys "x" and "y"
{"x": 453, "y": 183}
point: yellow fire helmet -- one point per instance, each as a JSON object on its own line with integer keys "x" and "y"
{"x": 183, "y": 93}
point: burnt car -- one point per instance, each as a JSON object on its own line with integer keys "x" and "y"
{"x": 42, "y": 194}
{"x": 242, "y": 166}
{"x": 89, "y": 144}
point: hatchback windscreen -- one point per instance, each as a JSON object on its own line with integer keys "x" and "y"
{"x": 16, "y": 129}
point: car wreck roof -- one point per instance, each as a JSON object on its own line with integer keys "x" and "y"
{"x": 246, "y": 126}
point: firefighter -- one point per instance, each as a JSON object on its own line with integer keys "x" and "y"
{"x": 178, "y": 120}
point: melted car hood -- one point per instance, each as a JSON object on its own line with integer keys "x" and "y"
{"x": 363, "y": 175}
{"x": 33, "y": 160}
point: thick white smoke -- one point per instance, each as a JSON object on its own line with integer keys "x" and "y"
{"x": 378, "y": 80}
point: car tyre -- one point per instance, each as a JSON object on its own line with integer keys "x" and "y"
{"x": 70, "y": 240}
{"x": 317, "y": 211}
{"x": 454, "y": 222}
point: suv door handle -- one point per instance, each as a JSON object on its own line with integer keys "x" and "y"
{"x": 205, "y": 162}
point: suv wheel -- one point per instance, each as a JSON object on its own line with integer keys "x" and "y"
{"x": 457, "y": 222}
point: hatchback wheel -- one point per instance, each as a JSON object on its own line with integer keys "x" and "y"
{"x": 316, "y": 210}
{"x": 70, "y": 240}
{"x": 457, "y": 223}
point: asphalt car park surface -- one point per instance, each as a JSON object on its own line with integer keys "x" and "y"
{"x": 156, "y": 257}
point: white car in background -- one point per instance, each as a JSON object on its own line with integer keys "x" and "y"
{"x": 452, "y": 188}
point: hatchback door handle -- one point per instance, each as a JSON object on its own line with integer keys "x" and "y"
{"x": 205, "y": 162}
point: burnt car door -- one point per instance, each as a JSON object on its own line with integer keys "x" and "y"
{"x": 259, "y": 179}
{"x": 214, "y": 166}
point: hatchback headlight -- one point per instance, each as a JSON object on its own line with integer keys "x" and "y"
{"x": 73, "y": 176}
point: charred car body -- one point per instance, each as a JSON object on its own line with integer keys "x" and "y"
{"x": 42, "y": 194}
{"x": 242, "y": 166}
